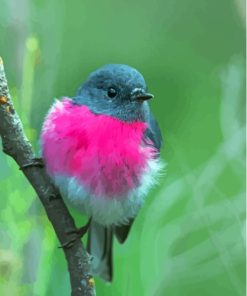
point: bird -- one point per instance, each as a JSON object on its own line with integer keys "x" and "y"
{"x": 101, "y": 148}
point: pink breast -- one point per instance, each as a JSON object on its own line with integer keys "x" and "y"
{"x": 105, "y": 154}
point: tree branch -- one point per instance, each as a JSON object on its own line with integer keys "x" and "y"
{"x": 16, "y": 145}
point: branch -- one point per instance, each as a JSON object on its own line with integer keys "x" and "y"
{"x": 16, "y": 145}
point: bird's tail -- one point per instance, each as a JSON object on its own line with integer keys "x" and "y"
{"x": 99, "y": 245}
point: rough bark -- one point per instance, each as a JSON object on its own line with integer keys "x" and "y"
{"x": 16, "y": 145}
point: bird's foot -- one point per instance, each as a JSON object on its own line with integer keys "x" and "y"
{"x": 76, "y": 234}
{"x": 34, "y": 162}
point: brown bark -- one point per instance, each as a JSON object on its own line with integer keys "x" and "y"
{"x": 16, "y": 145}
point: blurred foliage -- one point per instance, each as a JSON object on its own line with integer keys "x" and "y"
{"x": 189, "y": 238}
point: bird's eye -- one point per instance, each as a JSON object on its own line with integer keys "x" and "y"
{"x": 111, "y": 92}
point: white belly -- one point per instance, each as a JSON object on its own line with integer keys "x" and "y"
{"x": 104, "y": 210}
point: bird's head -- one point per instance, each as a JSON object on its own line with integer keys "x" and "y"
{"x": 116, "y": 90}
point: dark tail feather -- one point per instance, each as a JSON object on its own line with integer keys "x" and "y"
{"x": 99, "y": 245}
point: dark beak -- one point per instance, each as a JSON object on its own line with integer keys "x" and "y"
{"x": 141, "y": 95}
{"x": 144, "y": 97}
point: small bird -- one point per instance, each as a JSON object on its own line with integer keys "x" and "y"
{"x": 101, "y": 148}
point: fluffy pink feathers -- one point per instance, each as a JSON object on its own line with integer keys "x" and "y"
{"x": 106, "y": 155}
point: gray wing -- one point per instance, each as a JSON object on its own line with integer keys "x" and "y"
{"x": 121, "y": 232}
{"x": 153, "y": 134}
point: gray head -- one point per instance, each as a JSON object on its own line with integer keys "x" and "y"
{"x": 116, "y": 90}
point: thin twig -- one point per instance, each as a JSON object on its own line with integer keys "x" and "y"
{"x": 16, "y": 145}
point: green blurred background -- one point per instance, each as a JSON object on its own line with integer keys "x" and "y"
{"x": 189, "y": 238}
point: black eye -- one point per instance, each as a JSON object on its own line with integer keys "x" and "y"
{"x": 111, "y": 92}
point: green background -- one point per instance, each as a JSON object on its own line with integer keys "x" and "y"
{"x": 189, "y": 238}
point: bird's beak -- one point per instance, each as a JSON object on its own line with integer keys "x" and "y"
{"x": 139, "y": 94}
